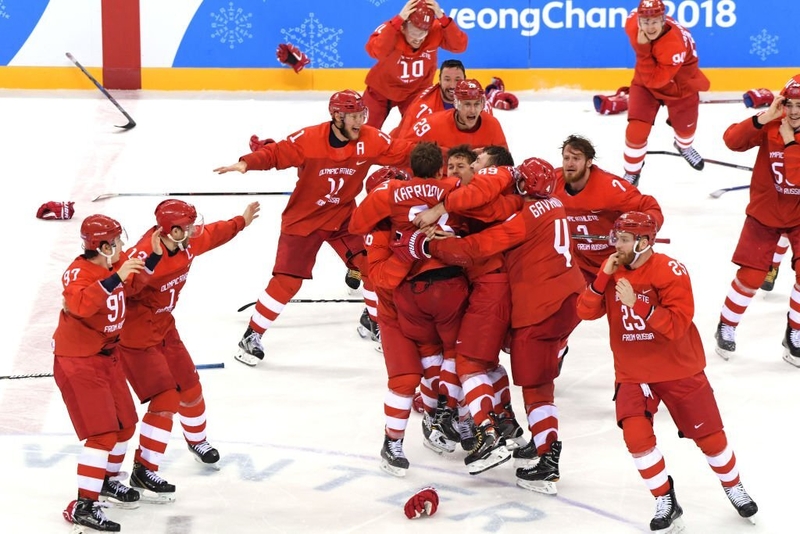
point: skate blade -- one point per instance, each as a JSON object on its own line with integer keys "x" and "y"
{"x": 363, "y": 332}
{"x": 515, "y": 443}
{"x": 247, "y": 359}
{"x": 496, "y": 457}
{"x": 724, "y": 354}
{"x": 548, "y": 487}
{"x": 392, "y": 470}
{"x": 152, "y": 497}
{"x": 81, "y": 529}
{"x": 379, "y": 348}
{"x": 791, "y": 360}
{"x": 215, "y": 466}
{"x": 438, "y": 449}
{"x": 525, "y": 463}
{"x": 114, "y": 503}
{"x": 676, "y": 527}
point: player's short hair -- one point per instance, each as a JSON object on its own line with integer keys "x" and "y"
{"x": 581, "y": 144}
{"x": 453, "y": 64}
{"x": 499, "y": 156}
{"x": 462, "y": 151}
{"x": 426, "y": 160}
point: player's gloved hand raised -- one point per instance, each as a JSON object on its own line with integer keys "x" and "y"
{"x": 410, "y": 246}
{"x": 289, "y": 54}
{"x": 56, "y": 210}
{"x": 425, "y": 501}
{"x": 256, "y": 143}
{"x": 758, "y": 98}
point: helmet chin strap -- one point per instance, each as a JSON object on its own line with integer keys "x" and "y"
{"x": 181, "y": 242}
{"x": 637, "y": 254}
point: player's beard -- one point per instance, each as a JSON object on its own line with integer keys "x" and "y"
{"x": 577, "y": 175}
{"x": 625, "y": 258}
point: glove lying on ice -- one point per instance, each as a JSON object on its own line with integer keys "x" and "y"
{"x": 289, "y": 54}
{"x": 611, "y": 105}
{"x": 758, "y": 98}
{"x": 497, "y": 96}
{"x": 425, "y": 501}
{"x": 410, "y": 246}
{"x": 56, "y": 210}
{"x": 256, "y": 143}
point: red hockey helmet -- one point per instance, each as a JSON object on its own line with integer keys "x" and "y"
{"x": 637, "y": 223}
{"x": 422, "y": 17}
{"x": 99, "y": 229}
{"x": 384, "y": 174}
{"x": 537, "y": 178}
{"x": 469, "y": 90}
{"x": 792, "y": 88}
{"x": 347, "y": 101}
{"x": 651, "y": 9}
{"x": 171, "y": 213}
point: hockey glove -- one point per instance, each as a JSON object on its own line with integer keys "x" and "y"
{"x": 495, "y": 85}
{"x": 503, "y": 100}
{"x": 289, "y": 54}
{"x": 256, "y": 143}
{"x": 425, "y": 501}
{"x": 758, "y": 98}
{"x": 410, "y": 246}
{"x": 417, "y": 404}
{"x": 611, "y": 105}
{"x": 56, "y": 210}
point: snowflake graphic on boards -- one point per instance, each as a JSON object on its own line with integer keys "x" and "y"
{"x": 319, "y": 42}
{"x": 231, "y": 25}
{"x": 377, "y": 3}
{"x": 764, "y": 44}
{"x": 3, "y": 13}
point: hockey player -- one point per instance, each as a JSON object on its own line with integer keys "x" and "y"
{"x": 332, "y": 161}
{"x": 406, "y": 49}
{"x": 87, "y": 368}
{"x": 774, "y": 209}
{"x": 666, "y": 73}
{"x": 658, "y": 356}
{"x": 156, "y": 362}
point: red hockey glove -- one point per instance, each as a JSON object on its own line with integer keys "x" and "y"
{"x": 410, "y": 246}
{"x": 417, "y": 403}
{"x": 758, "y": 98}
{"x": 56, "y": 210}
{"x": 289, "y": 54}
{"x": 256, "y": 143}
{"x": 503, "y": 100}
{"x": 611, "y": 105}
{"x": 425, "y": 501}
{"x": 69, "y": 511}
{"x": 495, "y": 85}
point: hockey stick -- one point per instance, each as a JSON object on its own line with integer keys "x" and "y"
{"x": 713, "y": 161}
{"x": 305, "y": 301}
{"x": 196, "y": 194}
{"x": 719, "y": 192}
{"x": 131, "y": 122}
{"x": 600, "y": 237}
{"x": 723, "y": 101}
{"x": 45, "y": 375}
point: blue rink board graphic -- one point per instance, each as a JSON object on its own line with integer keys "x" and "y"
{"x": 502, "y": 33}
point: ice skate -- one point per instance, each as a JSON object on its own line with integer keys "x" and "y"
{"x": 393, "y": 459}
{"x": 433, "y": 436}
{"x": 151, "y": 487}
{"x": 87, "y": 517}
{"x": 489, "y": 450}
{"x": 791, "y": 344}
{"x": 118, "y": 494}
{"x": 510, "y": 429}
{"x": 726, "y": 340}
{"x": 526, "y": 456}
{"x": 353, "y": 281}
{"x": 204, "y": 453}
{"x": 466, "y": 432}
{"x": 632, "y": 178}
{"x": 743, "y": 503}
{"x": 250, "y": 349}
{"x": 691, "y": 156}
{"x": 667, "y": 519}
{"x": 368, "y": 329}
{"x": 769, "y": 281}
{"x": 542, "y": 477}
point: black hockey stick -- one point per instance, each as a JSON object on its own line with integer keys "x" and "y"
{"x": 131, "y": 122}
{"x": 600, "y": 237}
{"x": 194, "y": 194}
{"x": 45, "y": 375}
{"x": 712, "y": 161}
{"x": 719, "y": 192}
{"x": 305, "y": 301}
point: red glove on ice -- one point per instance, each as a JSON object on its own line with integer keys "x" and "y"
{"x": 758, "y": 98}
{"x": 289, "y": 54}
{"x": 256, "y": 143}
{"x": 56, "y": 210}
{"x": 503, "y": 100}
{"x": 425, "y": 501}
{"x": 410, "y": 246}
{"x": 611, "y": 105}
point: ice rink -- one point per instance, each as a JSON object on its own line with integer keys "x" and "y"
{"x": 300, "y": 434}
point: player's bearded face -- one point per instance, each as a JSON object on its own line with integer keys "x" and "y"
{"x": 469, "y": 111}
{"x": 352, "y": 123}
{"x": 625, "y": 245}
{"x": 652, "y": 27}
{"x": 448, "y": 79}
{"x": 575, "y": 165}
